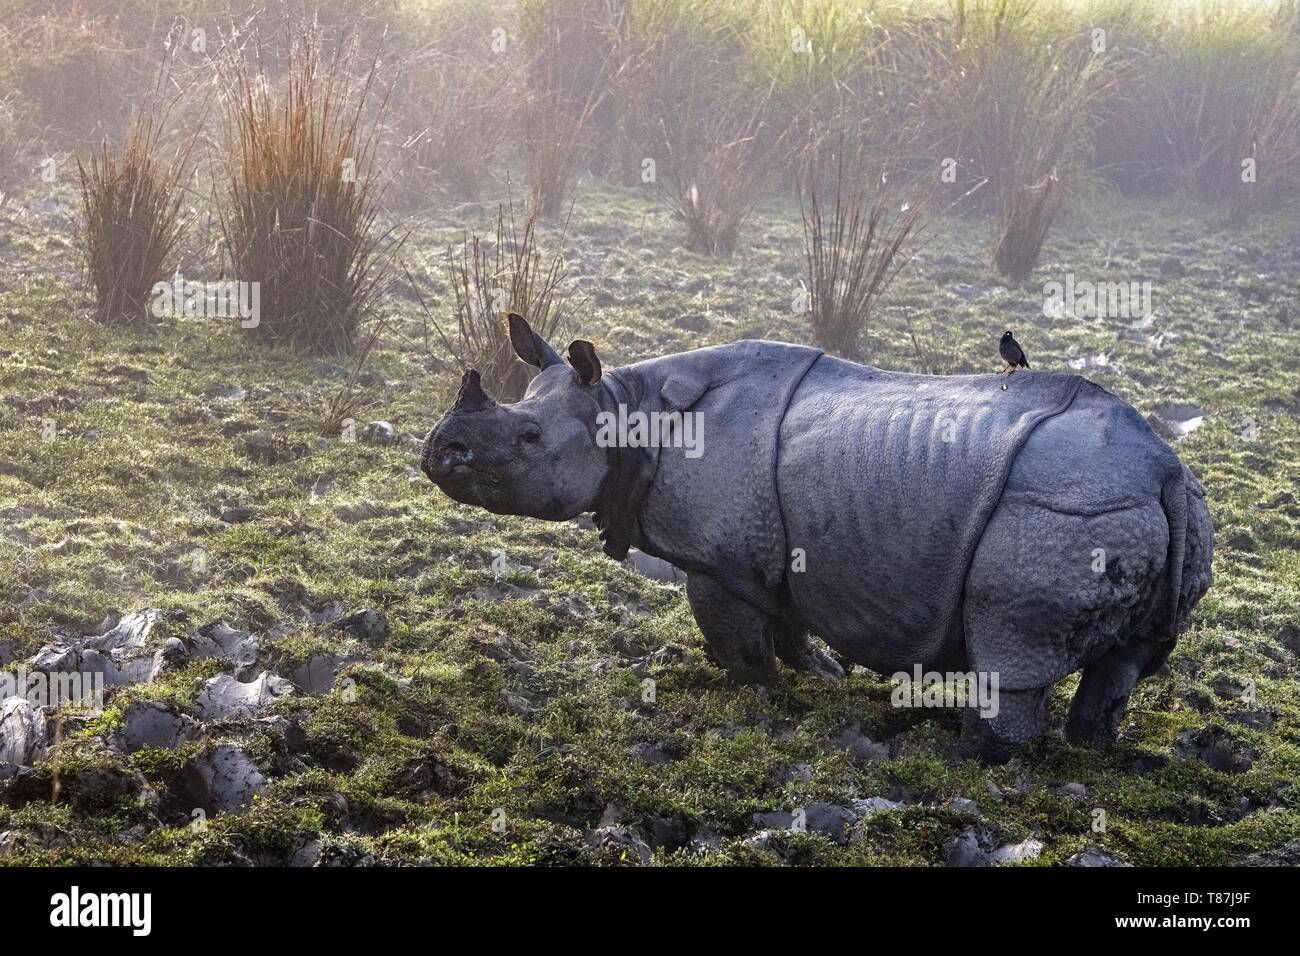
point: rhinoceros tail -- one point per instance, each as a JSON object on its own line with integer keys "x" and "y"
{"x": 1191, "y": 548}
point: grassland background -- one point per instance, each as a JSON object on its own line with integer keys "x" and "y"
{"x": 519, "y": 694}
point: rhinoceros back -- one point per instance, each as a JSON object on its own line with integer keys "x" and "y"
{"x": 887, "y": 481}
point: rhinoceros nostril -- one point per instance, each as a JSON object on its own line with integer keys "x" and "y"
{"x": 440, "y": 458}
{"x": 446, "y": 457}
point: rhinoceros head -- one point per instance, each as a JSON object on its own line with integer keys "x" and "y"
{"x": 537, "y": 457}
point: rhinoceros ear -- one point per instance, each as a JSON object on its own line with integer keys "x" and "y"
{"x": 528, "y": 345}
{"x": 582, "y": 356}
{"x": 680, "y": 392}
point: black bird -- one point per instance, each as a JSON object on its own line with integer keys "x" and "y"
{"x": 1012, "y": 353}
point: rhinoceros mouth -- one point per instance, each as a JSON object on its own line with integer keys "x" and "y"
{"x": 446, "y": 458}
{"x": 462, "y": 484}
{"x": 464, "y": 481}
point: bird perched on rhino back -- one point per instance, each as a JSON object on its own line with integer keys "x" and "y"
{"x": 1012, "y": 353}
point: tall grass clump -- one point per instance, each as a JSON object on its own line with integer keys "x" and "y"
{"x": 453, "y": 106}
{"x": 1268, "y": 155}
{"x": 1018, "y": 101}
{"x": 75, "y": 69}
{"x": 10, "y": 147}
{"x": 1222, "y": 94}
{"x": 492, "y": 277}
{"x": 570, "y": 69}
{"x": 458, "y": 133}
{"x": 348, "y": 400}
{"x": 706, "y": 120}
{"x": 131, "y": 220}
{"x": 299, "y": 214}
{"x": 720, "y": 164}
{"x": 834, "y": 70}
{"x": 860, "y": 230}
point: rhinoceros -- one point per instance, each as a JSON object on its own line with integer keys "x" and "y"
{"x": 1026, "y": 526}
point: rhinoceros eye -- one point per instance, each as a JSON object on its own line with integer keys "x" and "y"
{"x": 531, "y": 435}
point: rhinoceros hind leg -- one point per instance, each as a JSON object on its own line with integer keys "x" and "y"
{"x": 1021, "y": 716}
{"x": 1099, "y": 703}
{"x": 797, "y": 649}
{"x": 739, "y": 634}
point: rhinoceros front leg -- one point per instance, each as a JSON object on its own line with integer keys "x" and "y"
{"x": 739, "y": 634}
{"x": 797, "y": 649}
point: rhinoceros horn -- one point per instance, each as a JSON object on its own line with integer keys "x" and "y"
{"x": 471, "y": 397}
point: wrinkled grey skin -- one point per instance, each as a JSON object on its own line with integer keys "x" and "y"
{"x": 1029, "y": 531}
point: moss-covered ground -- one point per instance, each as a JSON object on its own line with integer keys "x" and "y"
{"x": 504, "y": 716}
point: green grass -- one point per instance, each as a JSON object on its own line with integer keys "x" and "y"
{"x": 105, "y": 524}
